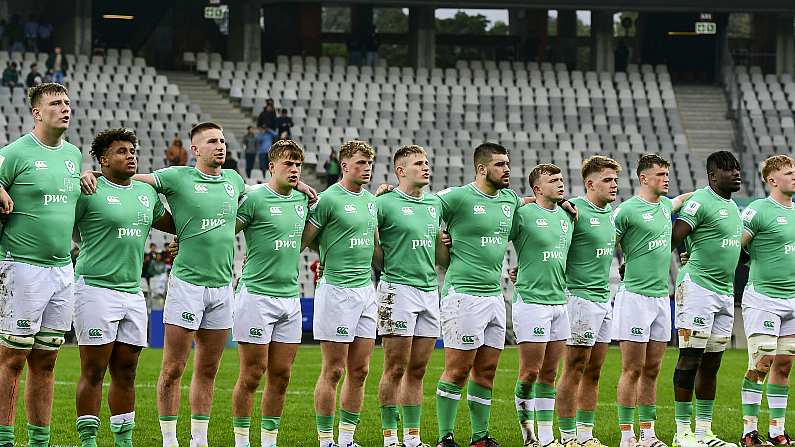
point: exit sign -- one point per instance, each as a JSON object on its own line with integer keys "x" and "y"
{"x": 214, "y": 12}
{"x": 706, "y": 28}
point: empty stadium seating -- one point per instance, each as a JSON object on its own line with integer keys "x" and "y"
{"x": 765, "y": 107}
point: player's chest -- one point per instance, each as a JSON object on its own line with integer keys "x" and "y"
{"x": 479, "y": 216}
{"x": 651, "y": 221}
{"x": 50, "y": 181}
{"x": 410, "y": 218}
{"x": 781, "y": 229}
{"x": 725, "y": 221}
{"x": 356, "y": 214}
{"x": 280, "y": 217}
{"x": 596, "y": 230}
{"x": 123, "y": 209}
{"x": 205, "y": 200}
{"x": 545, "y": 230}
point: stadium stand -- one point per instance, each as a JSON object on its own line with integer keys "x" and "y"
{"x": 764, "y": 111}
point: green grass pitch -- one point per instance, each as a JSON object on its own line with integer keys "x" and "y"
{"x": 298, "y": 424}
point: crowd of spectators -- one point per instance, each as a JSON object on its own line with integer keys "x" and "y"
{"x": 270, "y": 128}
{"x": 32, "y": 34}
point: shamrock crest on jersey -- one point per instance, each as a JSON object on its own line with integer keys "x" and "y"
{"x": 300, "y": 210}
{"x": 144, "y": 200}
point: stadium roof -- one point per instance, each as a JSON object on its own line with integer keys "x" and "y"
{"x": 612, "y": 5}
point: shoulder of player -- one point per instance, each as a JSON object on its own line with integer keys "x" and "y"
{"x": 74, "y": 150}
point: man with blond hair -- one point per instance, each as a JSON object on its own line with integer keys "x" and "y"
{"x": 408, "y": 299}
{"x": 266, "y": 311}
{"x": 769, "y": 301}
{"x": 588, "y": 295}
{"x": 344, "y": 221}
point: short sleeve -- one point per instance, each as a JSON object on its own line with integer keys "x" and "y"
{"x": 319, "y": 212}
{"x": 166, "y": 180}
{"x": 8, "y": 168}
{"x": 80, "y": 207}
{"x": 159, "y": 210}
{"x": 379, "y": 210}
{"x": 447, "y": 202}
{"x": 241, "y": 184}
{"x": 516, "y": 225}
{"x": 751, "y": 221}
{"x": 245, "y": 209}
{"x": 692, "y": 213}
{"x": 620, "y": 220}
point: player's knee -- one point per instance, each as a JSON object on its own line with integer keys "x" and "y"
{"x": 172, "y": 372}
{"x": 395, "y": 372}
{"x": 632, "y": 371}
{"x": 279, "y": 380}
{"x": 689, "y": 359}
{"x": 592, "y": 375}
{"x": 761, "y": 350}
{"x": 358, "y": 374}
{"x": 93, "y": 375}
{"x": 123, "y": 373}
{"x": 416, "y": 373}
{"x": 333, "y": 373}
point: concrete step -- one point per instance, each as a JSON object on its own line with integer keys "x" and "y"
{"x": 702, "y": 110}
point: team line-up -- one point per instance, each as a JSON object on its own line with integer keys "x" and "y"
{"x": 560, "y": 308}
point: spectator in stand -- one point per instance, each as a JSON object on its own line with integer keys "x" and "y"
{"x": 58, "y": 64}
{"x": 149, "y": 259}
{"x": 11, "y": 76}
{"x": 264, "y": 143}
{"x": 314, "y": 268}
{"x": 44, "y": 34}
{"x": 332, "y": 167}
{"x": 167, "y": 257}
{"x": 176, "y": 155}
{"x": 34, "y": 77}
{"x": 250, "y": 147}
{"x": 32, "y": 34}
{"x": 230, "y": 162}
{"x": 267, "y": 118}
{"x": 284, "y": 123}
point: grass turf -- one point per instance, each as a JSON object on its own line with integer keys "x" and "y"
{"x": 298, "y": 423}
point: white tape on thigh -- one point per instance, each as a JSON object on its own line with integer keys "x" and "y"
{"x": 786, "y": 346}
{"x": 689, "y": 338}
{"x": 48, "y": 339}
{"x": 759, "y": 347}
{"x": 717, "y": 344}
{"x": 16, "y": 341}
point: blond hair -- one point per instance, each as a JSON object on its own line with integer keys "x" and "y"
{"x": 353, "y": 147}
{"x": 774, "y": 164}
{"x": 285, "y": 149}
{"x": 407, "y": 150}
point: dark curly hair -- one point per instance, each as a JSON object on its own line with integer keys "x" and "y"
{"x": 104, "y": 139}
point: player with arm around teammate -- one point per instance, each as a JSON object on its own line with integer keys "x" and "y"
{"x": 769, "y": 301}
{"x": 344, "y": 222}
{"x": 641, "y": 310}
{"x": 588, "y": 295}
{"x": 267, "y": 309}
{"x": 110, "y": 310}
{"x": 709, "y": 223}
{"x": 541, "y": 234}
{"x": 39, "y": 188}
{"x": 408, "y": 313}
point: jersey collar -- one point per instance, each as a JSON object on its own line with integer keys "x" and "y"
{"x": 208, "y": 176}
{"x": 649, "y": 203}
{"x": 778, "y": 204}
{"x": 712, "y": 191}
{"x": 349, "y": 191}
{"x": 416, "y": 199}
{"x": 44, "y": 146}
{"x": 115, "y": 185}
{"x": 593, "y": 205}
{"x": 282, "y": 196}
{"x": 475, "y": 188}
{"x": 550, "y": 211}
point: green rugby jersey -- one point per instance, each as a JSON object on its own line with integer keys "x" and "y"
{"x": 714, "y": 243}
{"x": 480, "y": 226}
{"x": 273, "y": 227}
{"x": 204, "y": 208}
{"x": 44, "y": 183}
{"x": 772, "y": 248}
{"x": 541, "y": 237}
{"x": 407, "y": 231}
{"x": 347, "y": 222}
{"x": 593, "y": 243}
{"x": 645, "y": 232}
{"x": 114, "y": 226}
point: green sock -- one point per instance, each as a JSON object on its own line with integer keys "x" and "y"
{"x": 325, "y": 427}
{"x": 87, "y": 427}
{"x": 241, "y": 422}
{"x": 348, "y": 423}
{"x": 38, "y": 435}
{"x": 122, "y": 432}
{"x": 544, "y": 402}
{"x": 479, "y": 402}
{"x": 6, "y": 434}
{"x": 683, "y": 411}
{"x": 389, "y": 420}
{"x": 585, "y": 422}
{"x": 269, "y": 429}
{"x": 703, "y": 417}
{"x": 647, "y": 413}
{"x": 752, "y": 397}
{"x": 411, "y": 415}
{"x": 241, "y": 428}
{"x": 523, "y": 397}
{"x": 447, "y": 397}
{"x": 568, "y": 429}
{"x": 626, "y": 415}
